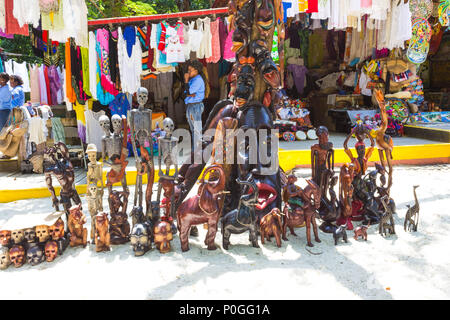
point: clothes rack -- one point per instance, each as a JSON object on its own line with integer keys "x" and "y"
{"x": 186, "y": 14}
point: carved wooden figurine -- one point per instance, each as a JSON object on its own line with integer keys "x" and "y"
{"x": 163, "y": 235}
{"x": 384, "y": 142}
{"x": 340, "y": 233}
{"x": 42, "y": 233}
{"x": 63, "y": 170}
{"x": 102, "y": 236}
{"x": 205, "y": 207}
{"x": 18, "y": 236}
{"x": 412, "y": 215}
{"x": 119, "y": 227}
{"x": 322, "y": 160}
{"x": 346, "y": 195}
{"x": 141, "y": 124}
{"x": 387, "y": 220}
{"x": 243, "y": 218}
{"x": 305, "y": 213}
{"x": 78, "y": 234}
{"x": 361, "y": 161}
{"x": 167, "y": 154}
{"x": 271, "y": 226}
{"x": 114, "y": 150}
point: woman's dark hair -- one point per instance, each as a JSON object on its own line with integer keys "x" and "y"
{"x": 197, "y": 65}
{"x": 17, "y": 79}
{"x": 4, "y": 76}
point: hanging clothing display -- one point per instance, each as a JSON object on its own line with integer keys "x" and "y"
{"x": 205, "y": 49}
{"x": 130, "y": 61}
{"x": 94, "y": 131}
{"x": 11, "y": 24}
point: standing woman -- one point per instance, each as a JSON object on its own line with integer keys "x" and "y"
{"x": 5, "y": 99}
{"x": 195, "y": 81}
{"x": 17, "y": 95}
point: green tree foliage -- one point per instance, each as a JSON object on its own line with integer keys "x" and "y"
{"x": 20, "y": 45}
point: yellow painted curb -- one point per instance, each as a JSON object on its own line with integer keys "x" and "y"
{"x": 288, "y": 160}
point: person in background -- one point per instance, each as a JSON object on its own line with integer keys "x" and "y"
{"x": 17, "y": 94}
{"x": 194, "y": 81}
{"x": 5, "y": 99}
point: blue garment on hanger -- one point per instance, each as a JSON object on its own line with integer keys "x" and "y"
{"x": 129, "y": 34}
{"x": 120, "y": 105}
{"x": 286, "y": 5}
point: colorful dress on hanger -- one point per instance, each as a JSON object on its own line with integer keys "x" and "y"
{"x": 215, "y": 42}
{"x": 105, "y": 77}
{"x": 173, "y": 43}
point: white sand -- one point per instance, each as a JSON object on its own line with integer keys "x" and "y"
{"x": 405, "y": 266}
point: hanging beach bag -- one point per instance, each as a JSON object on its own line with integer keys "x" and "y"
{"x": 395, "y": 63}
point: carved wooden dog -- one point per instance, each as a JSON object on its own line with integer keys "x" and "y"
{"x": 361, "y": 231}
{"x": 271, "y": 226}
{"x": 340, "y": 233}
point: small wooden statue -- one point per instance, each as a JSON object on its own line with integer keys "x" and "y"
{"x": 271, "y": 226}
{"x": 387, "y": 220}
{"x": 95, "y": 185}
{"x": 361, "y": 231}
{"x": 35, "y": 255}
{"x": 243, "y": 218}
{"x": 322, "y": 160}
{"x": 42, "y": 233}
{"x": 102, "y": 236}
{"x": 412, "y": 215}
{"x": 340, "y": 233}
{"x": 163, "y": 235}
{"x": 119, "y": 227}
{"x": 78, "y": 234}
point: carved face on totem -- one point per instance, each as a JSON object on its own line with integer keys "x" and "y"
{"x": 245, "y": 85}
{"x": 322, "y": 134}
{"x": 261, "y": 159}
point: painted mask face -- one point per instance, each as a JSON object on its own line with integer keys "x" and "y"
{"x": 51, "y": 250}
{"x": 42, "y": 232}
{"x": 5, "y": 261}
{"x": 140, "y": 240}
{"x": 57, "y": 229}
{"x": 17, "y": 236}
{"x": 30, "y": 235}
{"x": 245, "y": 85}
{"x": 35, "y": 255}
{"x": 5, "y": 237}
{"x": 17, "y": 256}
{"x": 260, "y": 157}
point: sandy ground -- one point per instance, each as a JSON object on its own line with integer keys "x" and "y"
{"x": 404, "y": 266}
